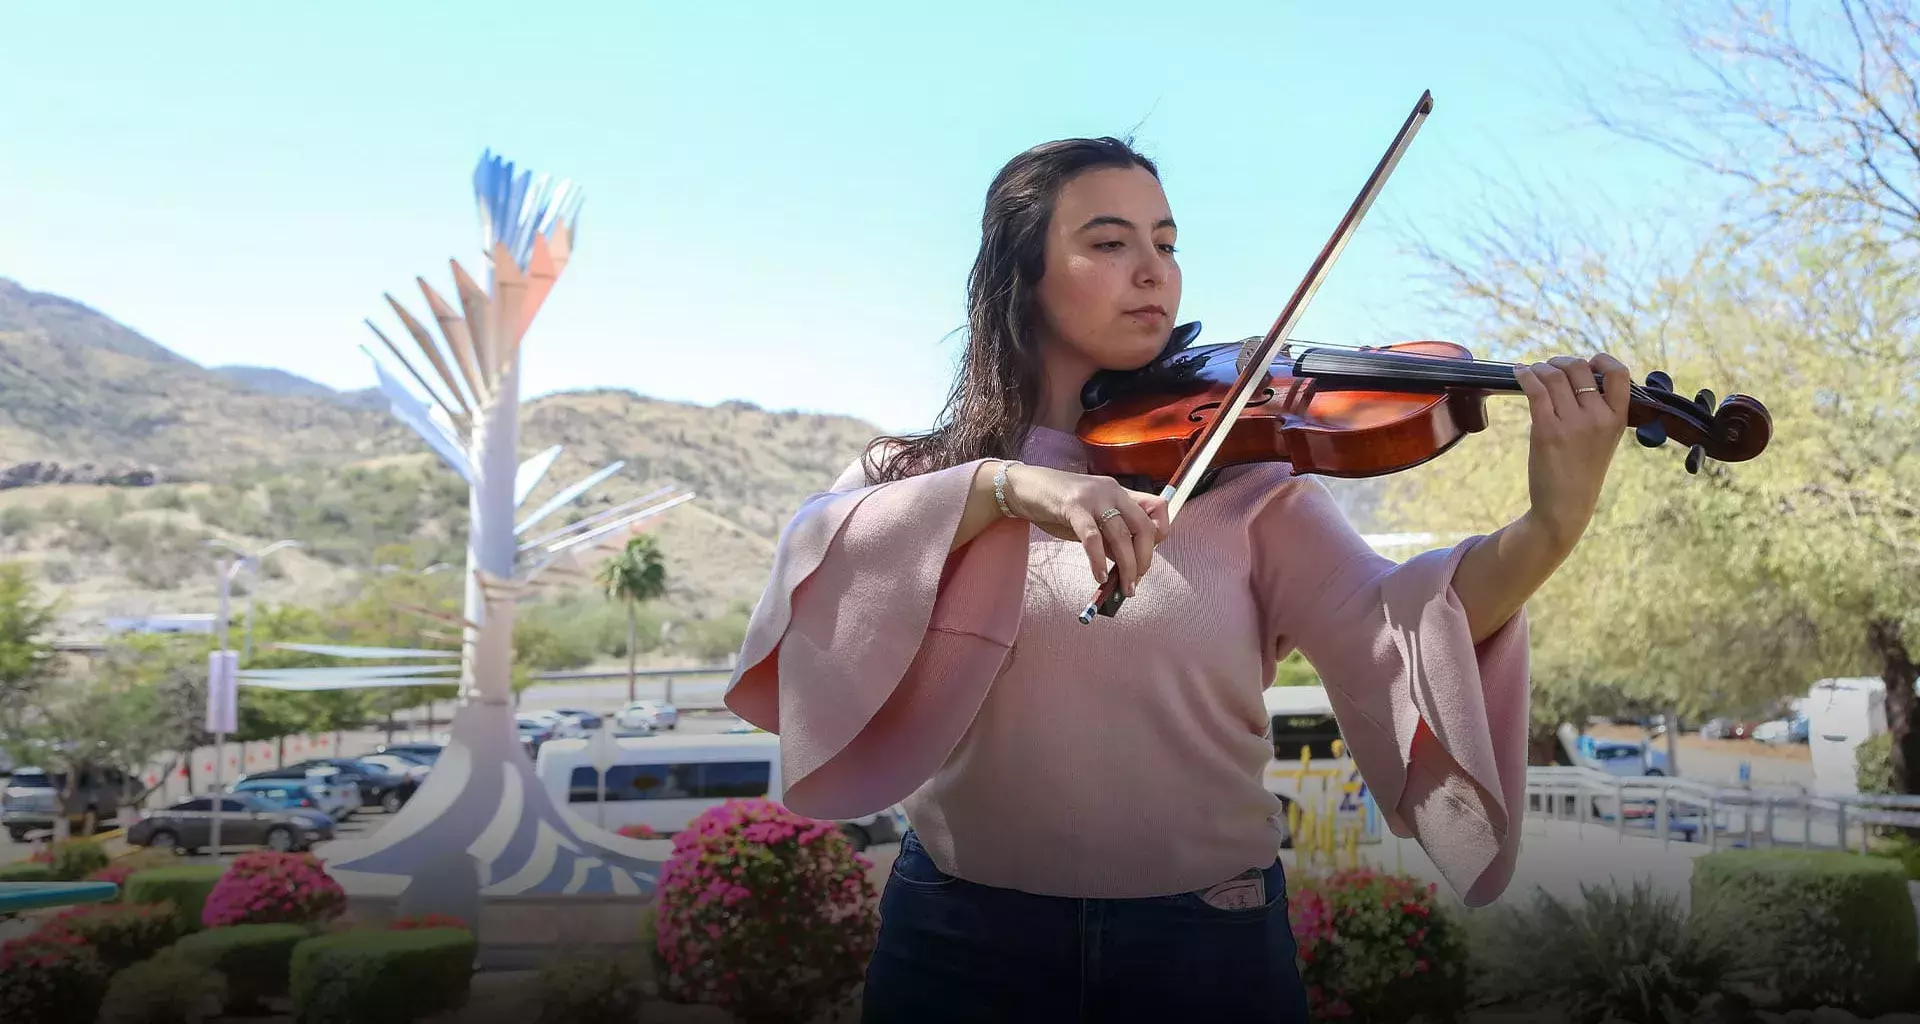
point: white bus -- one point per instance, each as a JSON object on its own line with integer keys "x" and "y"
{"x": 664, "y": 781}
{"x": 1310, "y": 765}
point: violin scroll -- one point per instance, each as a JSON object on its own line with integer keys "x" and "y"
{"x": 1736, "y": 430}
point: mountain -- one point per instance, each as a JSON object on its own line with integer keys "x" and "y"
{"x": 78, "y": 387}
{"x": 270, "y": 380}
{"x": 120, "y": 458}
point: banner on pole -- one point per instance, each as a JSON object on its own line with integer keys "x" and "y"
{"x": 223, "y": 684}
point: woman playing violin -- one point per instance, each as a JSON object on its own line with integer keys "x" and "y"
{"x": 1091, "y": 838}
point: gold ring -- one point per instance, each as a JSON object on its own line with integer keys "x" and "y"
{"x": 1582, "y": 391}
{"x": 1109, "y": 514}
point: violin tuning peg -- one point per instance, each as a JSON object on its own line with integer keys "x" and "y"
{"x": 1695, "y": 456}
{"x": 1705, "y": 401}
{"x": 1659, "y": 381}
{"x": 1651, "y": 434}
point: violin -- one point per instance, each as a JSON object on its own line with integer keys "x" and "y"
{"x": 1339, "y": 410}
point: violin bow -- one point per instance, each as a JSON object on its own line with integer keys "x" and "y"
{"x": 1253, "y": 369}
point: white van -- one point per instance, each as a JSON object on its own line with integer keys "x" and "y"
{"x": 664, "y": 781}
{"x": 1841, "y": 715}
{"x": 1302, "y": 728}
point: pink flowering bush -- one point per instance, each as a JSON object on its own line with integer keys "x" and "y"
{"x": 1375, "y": 946}
{"x": 263, "y": 887}
{"x": 50, "y": 976}
{"x": 121, "y": 934}
{"x": 764, "y": 913}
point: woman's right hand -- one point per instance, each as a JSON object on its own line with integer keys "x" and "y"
{"x": 1070, "y": 506}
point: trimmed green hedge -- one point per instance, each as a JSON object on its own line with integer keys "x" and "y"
{"x": 254, "y": 957}
{"x": 381, "y": 977}
{"x": 25, "y": 872}
{"x": 1820, "y": 927}
{"x": 186, "y": 887}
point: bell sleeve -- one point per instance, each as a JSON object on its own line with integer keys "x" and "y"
{"x": 872, "y": 647}
{"x": 1436, "y": 724}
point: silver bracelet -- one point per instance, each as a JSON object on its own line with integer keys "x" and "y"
{"x": 1000, "y": 488}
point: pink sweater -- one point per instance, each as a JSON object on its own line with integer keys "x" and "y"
{"x": 1125, "y": 757}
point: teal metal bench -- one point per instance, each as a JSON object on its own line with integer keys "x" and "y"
{"x": 21, "y": 896}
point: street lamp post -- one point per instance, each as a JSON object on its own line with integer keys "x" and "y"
{"x": 236, "y": 559}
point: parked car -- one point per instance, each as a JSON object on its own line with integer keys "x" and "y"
{"x": 31, "y": 801}
{"x": 246, "y": 819}
{"x": 398, "y": 765}
{"x": 656, "y": 713}
{"x": 313, "y": 793}
{"x": 424, "y": 753}
{"x": 378, "y": 787}
{"x": 1619, "y": 757}
{"x": 557, "y": 723}
{"x": 586, "y": 720}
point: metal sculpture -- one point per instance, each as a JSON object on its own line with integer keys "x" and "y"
{"x": 482, "y": 799}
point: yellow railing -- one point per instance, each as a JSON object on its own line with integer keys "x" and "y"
{"x": 1320, "y": 839}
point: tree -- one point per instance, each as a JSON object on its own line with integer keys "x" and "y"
{"x": 1812, "y": 115}
{"x": 1733, "y": 589}
{"x": 27, "y": 658}
{"x": 636, "y": 575}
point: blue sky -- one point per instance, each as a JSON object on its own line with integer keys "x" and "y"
{"x": 782, "y": 200}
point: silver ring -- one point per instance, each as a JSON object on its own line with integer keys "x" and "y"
{"x": 1109, "y": 514}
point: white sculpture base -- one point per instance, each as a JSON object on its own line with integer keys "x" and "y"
{"x": 482, "y": 798}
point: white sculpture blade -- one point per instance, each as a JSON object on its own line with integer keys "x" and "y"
{"x": 557, "y": 501}
{"x": 416, "y": 414}
{"x": 530, "y": 474}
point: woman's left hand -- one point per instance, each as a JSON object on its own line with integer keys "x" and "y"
{"x": 1577, "y": 425}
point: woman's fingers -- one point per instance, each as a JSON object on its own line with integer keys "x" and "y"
{"x": 1585, "y": 389}
{"x": 1119, "y": 536}
{"x": 1088, "y": 531}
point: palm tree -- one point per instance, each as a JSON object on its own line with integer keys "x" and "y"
{"x": 634, "y": 575}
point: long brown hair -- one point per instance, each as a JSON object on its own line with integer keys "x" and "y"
{"x": 996, "y": 393}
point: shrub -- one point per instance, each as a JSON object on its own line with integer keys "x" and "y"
{"x": 374, "y": 976}
{"x": 263, "y": 887}
{"x": 415, "y": 921}
{"x": 1612, "y": 956}
{"x": 639, "y": 832}
{"x": 1873, "y": 764}
{"x": 186, "y": 887}
{"x": 122, "y": 934}
{"x": 123, "y": 868}
{"x": 73, "y": 859}
{"x": 27, "y": 871}
{"x": 763, "y": 912}
{"x": 1821, "y": 927}
{"x": 1376, "y": 946}
{"x": 253, "y": 957}
{"x": 167, "y": 989}
{"x": 591, "y": 988}
{"x": 49, "y": 979}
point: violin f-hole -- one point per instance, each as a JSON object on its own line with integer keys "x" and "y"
{"x": 1266, "y": 395}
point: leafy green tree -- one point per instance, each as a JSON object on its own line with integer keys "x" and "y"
{"x": 27, "y": 658}
{"x": 1731, "y": 590}
{"x": 636, "y": 575}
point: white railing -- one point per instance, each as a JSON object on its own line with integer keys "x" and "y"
{"x": 1713, "y": 814}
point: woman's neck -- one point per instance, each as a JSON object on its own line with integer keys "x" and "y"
{"x": 1062, "y": 377}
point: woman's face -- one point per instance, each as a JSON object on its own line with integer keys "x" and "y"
{"x": 1111, "y": 287}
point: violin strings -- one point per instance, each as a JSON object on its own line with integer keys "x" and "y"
{"x": 1437, "y": 369}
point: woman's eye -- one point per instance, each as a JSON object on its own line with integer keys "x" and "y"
{"x": 1168, "y": 249}
{"x": 1108, "y": 245}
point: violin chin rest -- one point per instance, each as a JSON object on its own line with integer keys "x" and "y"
{"x": 1102, "y": 384}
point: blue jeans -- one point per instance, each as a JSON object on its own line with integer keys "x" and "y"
{"x": 953, "y": 950}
